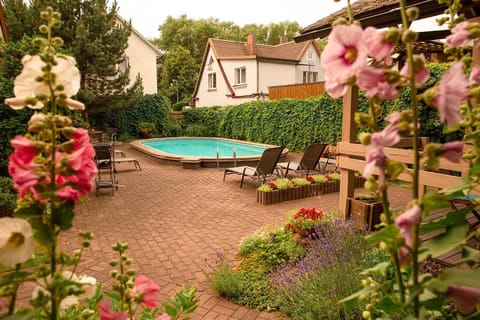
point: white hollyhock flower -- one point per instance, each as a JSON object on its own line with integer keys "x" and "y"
{"x": 16, "y": 241}
{"x": 27, "y": 87}
{"x": 87, "y": 285}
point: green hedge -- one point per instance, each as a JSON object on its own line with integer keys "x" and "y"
{"x": 298, "y": 123}
{"x": 152, "y": 108}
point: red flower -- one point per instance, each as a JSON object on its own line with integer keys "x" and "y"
{"x": 309, "y": 179}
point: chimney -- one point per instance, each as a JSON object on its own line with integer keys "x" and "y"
{"x": 283, "y": 39}
{"x": 252, "y": 44}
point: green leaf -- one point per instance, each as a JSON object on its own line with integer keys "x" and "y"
{"x": 452, "y": 218}
{"x": 387, "y": 234}
{"x": 470, "y": 254}
{"x": 42, "y": 232}
{"x": 465, "y": 184}
{"x": 455, "y": 276}
{"x": 22, "y": 315}
{"x": 443, "y": 243}
{"x": 389, "y": 306}
{"x": 433, "y": 200}
{"x": 380, "y": 269}
{"x": 27, "y": 212}
{"x": 63, "y": 216}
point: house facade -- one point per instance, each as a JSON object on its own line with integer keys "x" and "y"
{"x": 142, "y": 57}
{"x": 235, "y": 72}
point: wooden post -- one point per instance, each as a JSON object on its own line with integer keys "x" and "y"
{"x": 349, "y": 131}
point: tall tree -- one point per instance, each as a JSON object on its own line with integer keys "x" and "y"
{"x": 179, "y": 72}
{"x": 93, "y": 34}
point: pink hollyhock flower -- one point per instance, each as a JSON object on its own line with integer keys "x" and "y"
{"x": 406, "y": 221}
{"x": 421, "y": 72}
{"x": 24, "y": 148}
{"x": 68, "y": 193}
{"x": 475, "y": 75}
{"x": 387, "y": 137}
{"x": 344, "y": 54}
{"x": 375, "y": 157}
{"x": 453, "y": 151}
{"x": 451, "y": 91}
{"x": 148, "y": 289}
{"x": 464, "y": 298}
{"x": 107, "y": 314}
{"x": 3, "y": 305}
{"x": 460, "y": 35}
{"x": 373, "y": 81}
{"x": 378, "y": 47}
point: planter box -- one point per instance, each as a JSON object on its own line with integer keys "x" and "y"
{"x": 364, "y": 214}
{"x": 311, "y": 190}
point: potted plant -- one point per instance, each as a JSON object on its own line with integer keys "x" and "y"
{"x": 303, "y": 220}
{"x": 364, "y": 211}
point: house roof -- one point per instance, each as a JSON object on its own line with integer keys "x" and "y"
{"x": 386, "y": 13}
{"x": 227, "y": 49}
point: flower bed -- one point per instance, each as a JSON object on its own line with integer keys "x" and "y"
{"x": 298, "y": 188}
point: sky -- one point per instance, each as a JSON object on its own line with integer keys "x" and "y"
{"x": 147, "y": 15}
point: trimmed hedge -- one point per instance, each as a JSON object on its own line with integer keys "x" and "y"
{"x": 298, "y": 123}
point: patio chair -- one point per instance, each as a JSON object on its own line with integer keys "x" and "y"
{"x": 105, "y": 161}
{"x": 265, "y": 167}
{"x": 308, "y": 162}
{"x": 119, "y": 155}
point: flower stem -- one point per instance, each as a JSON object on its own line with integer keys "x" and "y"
{"x": 416, "y": 160}
{"x": 13, "y": 300}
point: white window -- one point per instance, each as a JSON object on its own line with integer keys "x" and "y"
{"x": 310, "y": 76}
{"x": 310, "y": 56}
{"x": 240, "y": 75}
{"x": 212, "y": 81}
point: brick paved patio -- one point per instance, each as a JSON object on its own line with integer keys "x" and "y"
{"x": 175, "y": 222}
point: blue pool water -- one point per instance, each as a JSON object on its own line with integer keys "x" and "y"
{"x": 206, "y": 148}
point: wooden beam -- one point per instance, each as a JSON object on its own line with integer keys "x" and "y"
{"x": 349, "y": 132}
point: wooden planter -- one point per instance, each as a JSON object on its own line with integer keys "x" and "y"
{"x": 364, "y": 214}
{"x": 311, "y": 190}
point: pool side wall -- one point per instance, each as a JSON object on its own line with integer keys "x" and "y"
{"x": 197, "y": 162}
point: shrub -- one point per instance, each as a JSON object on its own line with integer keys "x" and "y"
{"x": 8, "y": 197}
{"x": 196, "y": 130}
{"x": 147, "y": 129}
{"x": 327, "y": 273}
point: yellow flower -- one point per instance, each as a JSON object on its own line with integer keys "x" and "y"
{"x": 27, "y": 88}
{"x": 16, "y": 241}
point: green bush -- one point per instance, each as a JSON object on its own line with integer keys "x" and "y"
{"x": 152, "y": 108}
{"x": 196, "y": 130}
{"x": 8, "y": 197}
{"x": 147, "y": 129}
{"x": 179, "y": 105}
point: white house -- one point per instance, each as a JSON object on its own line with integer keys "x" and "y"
{"x": 235, "y": 72}
{"x": 142, "y": 57}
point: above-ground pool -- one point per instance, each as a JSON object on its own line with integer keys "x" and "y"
{"x": 205, "y": 152}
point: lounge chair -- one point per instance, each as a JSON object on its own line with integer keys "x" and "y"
{"x": 265, "y": 167}
{"x": 309, "y": 160}
{"x": 105, "y": 161}
{"x": 119, "y": 155}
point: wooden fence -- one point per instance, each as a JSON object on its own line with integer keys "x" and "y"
{"x": 296, "y": 91}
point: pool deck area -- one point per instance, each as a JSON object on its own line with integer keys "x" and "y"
{"x": 176, "y": 222}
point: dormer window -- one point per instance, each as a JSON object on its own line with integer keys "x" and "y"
{"x": 210, "y": 63}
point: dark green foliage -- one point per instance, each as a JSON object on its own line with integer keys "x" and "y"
{"x": 12, "y": 122}
{"x": 147, "y": 129}
{"x": 179, "y": 105}
{"x": 152, "y": 108}
{"x": 8, "y": 197}
{"x": 92, "y": 34}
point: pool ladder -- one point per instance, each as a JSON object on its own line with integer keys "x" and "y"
{"x": 234, "y": 158}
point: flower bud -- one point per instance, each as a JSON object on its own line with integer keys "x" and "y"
{"x": 392, "y": 35}
{"x": 365, "y": 138}
{"x": 366, "y": 315}
{"x": 409, "y": 36}
{"x": 412, "y": 13}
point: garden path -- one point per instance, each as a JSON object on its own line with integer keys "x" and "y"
{"x": 176, "y": 221}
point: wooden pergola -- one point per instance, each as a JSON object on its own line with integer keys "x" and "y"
{"x": 351, "y": 155}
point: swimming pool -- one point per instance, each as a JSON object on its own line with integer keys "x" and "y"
{"x": 202, "y": 151}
